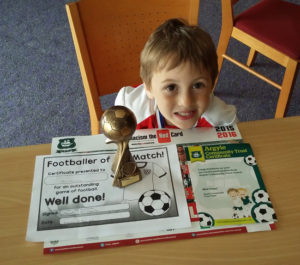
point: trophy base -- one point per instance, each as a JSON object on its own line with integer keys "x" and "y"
{"x": 127, "y": 180}
{"x": 127, "y": 175}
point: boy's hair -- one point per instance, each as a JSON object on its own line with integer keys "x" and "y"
{"x": 175, "y": 42}
{"x": 231, "y": 189}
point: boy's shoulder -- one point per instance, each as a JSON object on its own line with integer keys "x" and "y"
{"x": 148, "y": 123}
{"x": 135, "y": 98}
{"x": 220, "y": 113}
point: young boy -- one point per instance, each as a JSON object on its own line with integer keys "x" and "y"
{"x": 178, "y": 69}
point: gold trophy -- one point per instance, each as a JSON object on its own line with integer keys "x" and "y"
{"x": 118, "y": 123}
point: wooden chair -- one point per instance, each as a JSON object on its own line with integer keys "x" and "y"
{"x": 108, "y": 38}
{"x": 272, "y": 28}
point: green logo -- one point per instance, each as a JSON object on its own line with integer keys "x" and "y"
{"x": 196, "y": 154}
{"x": 66, "y": 145}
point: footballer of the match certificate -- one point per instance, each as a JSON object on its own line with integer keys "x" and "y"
{"x": 73, "y": 196}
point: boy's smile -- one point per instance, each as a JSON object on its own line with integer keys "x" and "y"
{"x": 182, "y": 94}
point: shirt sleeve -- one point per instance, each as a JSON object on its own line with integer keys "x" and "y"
{"x": 135, "y": 98}
{"x": 148, "y": 123}
{"x": 219, "y": 113}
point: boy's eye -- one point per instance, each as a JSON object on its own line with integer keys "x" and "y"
{"x": 171, "y": 88}
{"x": 198, "y": 85}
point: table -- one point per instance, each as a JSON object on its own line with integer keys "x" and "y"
{"x": 276, "y": 144}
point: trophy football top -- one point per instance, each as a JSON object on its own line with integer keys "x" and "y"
{"x": 118, "y": 123}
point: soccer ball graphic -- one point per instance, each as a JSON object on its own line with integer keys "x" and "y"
{"x": 263, "y": 213}
{"x": 260, "y": 195}
{"x": 118, "y": 123}
{"x": 154, "y": 202}
{"x": 250, "y": 160}
{"x": 206, "y": 220}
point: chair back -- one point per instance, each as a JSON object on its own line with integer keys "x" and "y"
{"x": 227, "y": 13}
{"x": 254, "y": 27}
{"x": 109, "y": 36}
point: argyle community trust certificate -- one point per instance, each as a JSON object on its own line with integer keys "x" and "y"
{"x": 73, "y": 196}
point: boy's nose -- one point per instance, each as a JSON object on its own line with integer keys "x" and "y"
{"x": 185, "y": 99}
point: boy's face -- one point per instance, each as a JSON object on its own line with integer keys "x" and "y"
{"x": 182, "y": 94}
{"x": 242, "y": 193}
{"x": 233, "y": 194}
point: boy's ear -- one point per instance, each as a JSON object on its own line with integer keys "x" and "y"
{"x": 148, "y": 91}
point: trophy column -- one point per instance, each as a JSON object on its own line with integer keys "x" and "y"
{"x": 118, "y": 123}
